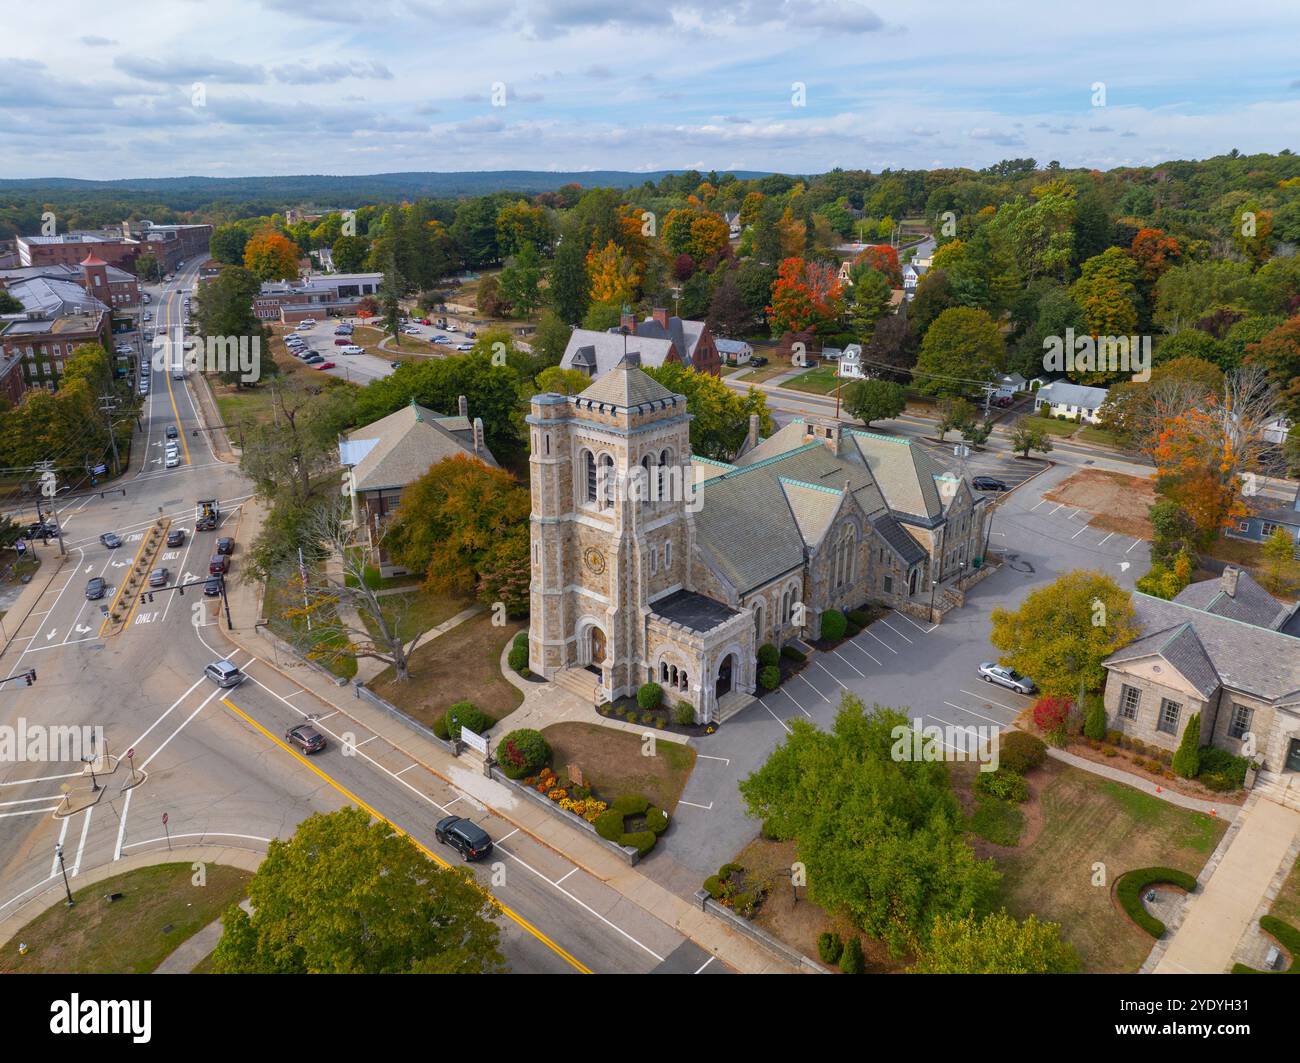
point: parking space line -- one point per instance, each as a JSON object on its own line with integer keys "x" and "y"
{"x": 846, "y": 661}
{"x": 700, "y": 969}
{"x": 881, "y": 641}
{"x": 705, "y": 756}
{"x": 565, "y": 875}
{"x": 706, "y": 808}
{"x": 796, "y": 703}
{"x": 815, "y": 690}
{"x": 858, "y": 646}
{"x": 777, "y": 718}
{"x": 1060, "y": 505}
{"x": 1037, "y": 504}
{"x": 922, "y": 630}
{"x": 829, "y": 673}
{"x": 962, "y": 708}
{"x": 1103, "y": 542}
{"x": 404, "y": 770}
{"x": 1135, "y": 542}
{"x": 894, "y": 630}
{"x": 1079, "y": 532}
{"x": 985, "y": 697}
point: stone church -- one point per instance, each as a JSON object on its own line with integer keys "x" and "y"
{"x": 651, "y": 564}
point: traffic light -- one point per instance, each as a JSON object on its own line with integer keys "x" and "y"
{"x": 30, "y": 676}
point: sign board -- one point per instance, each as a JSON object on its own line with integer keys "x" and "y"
{"x": 100, "y": 470}
{"x": 575, "y": 775}
{"x": 474, "y": 741}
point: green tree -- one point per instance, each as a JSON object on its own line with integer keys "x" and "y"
{"x": 996, "y": 944}
{"x": 1279, "y": 558}
{"x": 871, "y": 296}
{"x": 223, "y": 309}
{"x": 961, "y": 347}
{"x": 881, "y": 835}
{"x": 563, "y": 381}
{"x": 1062, "y": 632}
{"x": 719, "y": 415}
{"x": 874, "y": 400}
{"x": 955, "y": 413}
{"x": 391, "y": 289}
{"x": 346, "y": 895}
{"x": 1187, "y": 757}
{"x": 569, "y": 286}
{"x": 521, "y": 280}
{"x": 551, "y": 338}
{"x": 227, "y": 244}
{"x": 1279, "y": 355}
{"x": 1026, "y": 437}
{"x": 349, "y": 253}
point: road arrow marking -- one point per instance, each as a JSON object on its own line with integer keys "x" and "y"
{"x": 120, "y": 564}
{"x": 1123, "y": 566}
{"x": 82, "y": 629}
{"x": 53, "y": 632}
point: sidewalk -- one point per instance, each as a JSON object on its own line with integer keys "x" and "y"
{"x": 1219, "y": 914}
{"x": 16, "y": 615}
{"x": 688, "y": 919}
{"x": 190, "y": 953}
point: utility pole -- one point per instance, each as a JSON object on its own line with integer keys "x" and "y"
{"x": 49, "y": 488}
{"x": 108, "y": 406}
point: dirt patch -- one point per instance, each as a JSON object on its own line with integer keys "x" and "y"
{"x": 613, "y": 764}
{"x": 799, "y": 922}
{"x": 1118, "y": 503}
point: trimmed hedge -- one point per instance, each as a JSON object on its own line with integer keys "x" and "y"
{"x": 852, "y": 961}
{"x": 650, "y": 695}
{"x": 1004, "y": 784}
{"x": 1132, "y": 884}
{"x": 630, "y": 804}
{"x": 642, "y": 841}
{"x": 518, "y": 656}
{"x": 768, "y": 655}
{"x": 684, "y": 714}
{"x": 656, "y": 819}
{"x": 769, "y": 678}
{"x": 792, "y": 654}
{"x": 1021, "y": 752}
{"x": 833, "y": 624}
{"x": 467, "y": 715}
{"x": 522, "y": 752}
{"x": 609, "y": 825}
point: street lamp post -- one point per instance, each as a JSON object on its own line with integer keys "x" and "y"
{"x": 58, "y": 852}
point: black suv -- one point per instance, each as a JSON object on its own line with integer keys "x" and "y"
{"x": 467, "y": 838}
{"x": 95, "y": 588}
{"x": 171, "y": 431}
{"x": 225, "y": 545}
{"x": 176, "y": 537}
{"x": 987, "y": 483}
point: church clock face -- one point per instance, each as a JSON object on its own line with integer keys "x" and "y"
{"x": 594, "y": 560}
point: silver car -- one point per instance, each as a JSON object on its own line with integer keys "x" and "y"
{"x": 1006, "y": 677}
{"x": 224, "y": 674}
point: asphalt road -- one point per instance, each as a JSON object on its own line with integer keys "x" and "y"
{"x": 215, "y": 761}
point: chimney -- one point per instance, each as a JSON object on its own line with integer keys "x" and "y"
{"x": 660, "y": 314}
{"x": 1228, "y": 581}
{"x": 627, "y": 320}
{"x": 462, "y": 404}
{"x": 480, "y": 447}
{"x": 751, "y": 441}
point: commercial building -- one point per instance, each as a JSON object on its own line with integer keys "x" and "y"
{"x": 332, "y": 295}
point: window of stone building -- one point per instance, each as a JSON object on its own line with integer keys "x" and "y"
{"x": 684, "y": 685}
{"x": 889, "y": 584}
{"x": 654, "y": 560}
{"x": 1169, "y": 713}
{"x": 589, "y": 462}
{"x": 668, "y": 554}
{"x": 1240, "y": 722}
{"x": 607, "y": 468}
{"x": 1129, "y": 700}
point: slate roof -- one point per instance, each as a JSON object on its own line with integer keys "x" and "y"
{"x": 627, "y": 388}
{"x": 1063, "y": 393}
{"x": 695, "y": 611}
{"x": 906, "y": 473}
{"x": 398, "y": 449}
{"x": 1238, "y": 655}
{"x": 1251, "y": 604}
{"x": 813, "y": 507}
{"x": 596, "y": 353}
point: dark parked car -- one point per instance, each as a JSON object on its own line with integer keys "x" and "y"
{"x": 306, "y": 738}
{"x": 111, "y": 540}
{"x": 467, "y": 838}
{"x": 225, "y": 545}
{"x": 988, "y": 483}
{"x": 158, "y": 577}
{"x": 758, "y": 359}
{"x": 171, "y": 432}
{"x": 219, "y": 565}
{"x": 95, "y": 588}
{"x": 212, "y": 587}
{"x": 176, "y": 537}
{"x": 43, "y": 529}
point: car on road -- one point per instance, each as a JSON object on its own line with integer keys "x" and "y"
{"x": 158, "y": 577}
{"x": 323, "y": 365}
{"x": 176, "y": 537}
{"x": 465, "y": 836}
{"x": 212, "y": 587}
{"x": 343, "y": 342}
{"x": 988, "y": 483}
{"x": 1007, "y": 677}
{"x": 144, "y": 386}
{"x": 1003, "y": 401}
{"x": 224, "y": 674}
{"x": 111, "y": 539}
{"x": 449, "y": 327}
{"x": 172, "y": 433}
{"x": 464, "y": 346}
{"x": 225, "y": 545}
{"x": 394, "y": 365}
{"x": 219, "y": 565}
{"x": 305, "y": 737}
{"x": 41, "y": 529}
{"x": 439, "y": 339}
{"x": 173, "y": 459}
{"x": 352, "y": 348}
{"x": 96, "y": 587}
{"x": 411, "y": 330}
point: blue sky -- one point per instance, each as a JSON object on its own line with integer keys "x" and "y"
{"x": 243, "y": 87}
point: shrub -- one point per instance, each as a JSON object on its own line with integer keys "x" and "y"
{"x": 650, "y": 696}
{"x": 630, "y": 805}
{"x": 1021, "y": 752}
{"x": 466, "y": 714}
{"x": 727, "y": 870}
{"x": 833, "y": 624}
{"x": 609, "y": 824}
{"x": 1132, "y": 884}
{"x": 851, "y": 631}
{"x": 768, "y": 830}
{"x": 1115, "y": 738}
{"x": 656, "y": 819}
{"x": 1187, "y": 761}
{"x": 684, "y": 714}
{"x": 829, "y": 946}
{"x": 1224, "y": 766}
{"x": 1287, "y": 935}
{"x": 769, "y": 678}
{"x": 1108, "y": 752}
{"x": 852, "y": 962}
{"x": 629, "y": 715}
{"x": 522, "y": 752}
{"x": 1003, "y": 784}
{"x": 517, "y": 659}
{"x": 713, "y": 887}
{"x": 440, "y": 726}
{"x": 1051, "y": 713}
{"x": 641, "y": 840}
{"x": 859, "y": 617}
{"x": 768, "y": 655}
{"x": 790, "y": 653}
{"x": 1094, "y": 721}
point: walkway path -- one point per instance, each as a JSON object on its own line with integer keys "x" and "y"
{"x": 1223, "y": 909}
{"x": 1224, "y": 811}
{"x": 198, "y": 947}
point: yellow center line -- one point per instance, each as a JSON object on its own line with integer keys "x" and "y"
{"x": 509, "y": 913}
{"x": 144, "y": 541}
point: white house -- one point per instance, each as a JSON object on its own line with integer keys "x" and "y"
{"x": 851, "y": 362}
{"x": 734, "y": 352}
{"x": 1060, "y": 397}
{"x": 1008, "y": 384}
{"x": 1276, "y": 430}
{"x": 912, "y": 274}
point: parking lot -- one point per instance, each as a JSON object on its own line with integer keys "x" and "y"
{"x": 929, "y": 672}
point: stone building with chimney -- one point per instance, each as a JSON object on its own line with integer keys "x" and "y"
{"x": 652, "y": 564}
{"x": 381, "y": 459}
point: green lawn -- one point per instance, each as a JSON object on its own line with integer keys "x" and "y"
{"x": 614, "y": 763}
{"x": 1287, "y": 904}
{"x": 160, "y": 907}
{"x": 417, "y": 611}
{"x": 819, "y": 381}
{"x": 1051, "y": 425}
{"x": 275, "y": 603}
{"x": 1093, "y": 434}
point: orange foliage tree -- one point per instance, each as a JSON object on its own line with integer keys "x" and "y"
{"x": 1197, "y": 468}
{"x": 270, "y": 256}
{"x": 1154, "y": 251}
{"x": 614, "y": 277}
{"x": 883, "y": 259}
{"x": 805, "y": 295}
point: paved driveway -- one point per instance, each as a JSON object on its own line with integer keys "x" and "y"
{"x": 930, "y": 672}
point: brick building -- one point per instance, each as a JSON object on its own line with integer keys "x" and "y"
{"x": 327, "y": 295}
{"x": 69, "y": 249}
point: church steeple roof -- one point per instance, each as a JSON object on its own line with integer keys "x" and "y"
{"x": 626, "y": 386}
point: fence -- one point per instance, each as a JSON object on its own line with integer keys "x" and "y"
{"x": 369, "y": 696}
